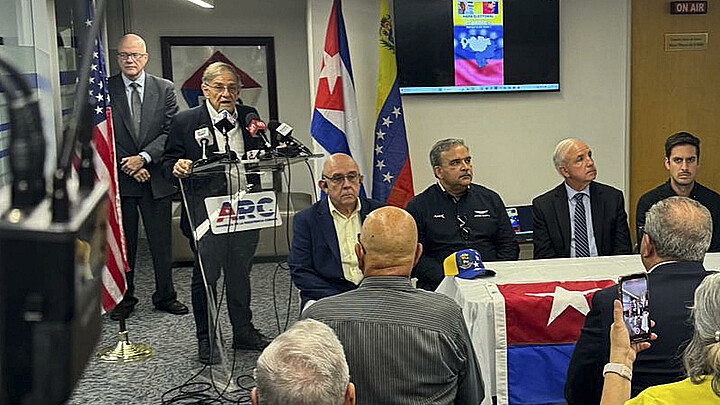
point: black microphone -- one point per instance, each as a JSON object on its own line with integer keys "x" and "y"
{"x": 282, "y": 133}
{"x": 257, "y": 128}
{"x": 224, "y": 122}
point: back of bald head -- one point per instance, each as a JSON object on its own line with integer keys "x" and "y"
{"x": 339, "y": 161}
{"x": 133, "y": 39}
{"x": 389, "y": 237}
{"x": 680, "y": 228}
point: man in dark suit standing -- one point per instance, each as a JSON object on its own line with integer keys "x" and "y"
{"x": 232, "y": 252}
{"x": 676, "y": 236}
{"x": 143, "y": 106}
{"x": 322, "y": 259}
{"x": 580, "y": 217}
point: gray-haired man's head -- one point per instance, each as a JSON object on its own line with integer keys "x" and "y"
{"x": 304, "y": 365}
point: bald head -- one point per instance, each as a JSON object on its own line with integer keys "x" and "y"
{"x": 132, "y": 55}
{"x": 389, "y": 243}
{"x": 132, "y": 40}
{"x": 341, "y": 181}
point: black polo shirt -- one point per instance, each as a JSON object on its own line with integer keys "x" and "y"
{"x": 476, "y": 220}
{"x": 699, "y": 193}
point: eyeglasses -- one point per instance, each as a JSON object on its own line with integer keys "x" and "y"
{"x": 339, "y": 179}
{"x": 134, "y": 55}
{"x": 232, "y": 88}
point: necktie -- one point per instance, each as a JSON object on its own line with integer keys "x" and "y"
{"x": 136, "y": 108}
{"x": 582, "y": 248}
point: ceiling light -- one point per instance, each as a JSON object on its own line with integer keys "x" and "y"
{"x": 203, "y": 3}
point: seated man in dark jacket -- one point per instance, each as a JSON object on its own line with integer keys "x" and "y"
{"x": 322, "y": 258}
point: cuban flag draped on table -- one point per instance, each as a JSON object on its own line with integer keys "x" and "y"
{"x": 536, "y": 333}
{"x": 335, "y": 125}
{"x": 113, "y": 275}
{"x": 392, "y": 174}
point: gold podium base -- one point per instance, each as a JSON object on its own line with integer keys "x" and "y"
{"x": 125, "y": 351}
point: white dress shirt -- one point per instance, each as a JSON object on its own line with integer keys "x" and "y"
{"x": 588, "y": 219}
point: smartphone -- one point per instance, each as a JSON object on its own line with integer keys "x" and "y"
{"x": 635, "y": 299}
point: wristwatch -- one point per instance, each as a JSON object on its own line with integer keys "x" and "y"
{"x": 145, "y": 162}
{"x": 619, "y": 369}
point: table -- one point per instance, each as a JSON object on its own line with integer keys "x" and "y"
{"x": 484, "y": 307}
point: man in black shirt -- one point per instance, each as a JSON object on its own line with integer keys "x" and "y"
{"x": 682, "y": 158}
{"x": 455, "y": 214}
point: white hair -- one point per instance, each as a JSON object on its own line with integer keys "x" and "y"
{"x": 680, "y": 228}
{"x": 304, "y": 365}
{"x": 561, "y": 150}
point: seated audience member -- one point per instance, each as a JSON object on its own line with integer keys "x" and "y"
{"x": 672, "y": 250}
{"x": 701, "y": 358}
{"x": 304, "y": 365}
{"x": 322, "y": 258}
{"x": 456, "y": 214}
{"x": 682, "y": 159}
{"x": 403, "y": 345}
{"x": 580, "y": 217}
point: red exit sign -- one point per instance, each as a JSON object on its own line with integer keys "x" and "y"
{"x": 688, "y": 7}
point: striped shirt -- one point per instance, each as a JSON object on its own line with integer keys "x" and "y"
{"x": 403, "y": 345}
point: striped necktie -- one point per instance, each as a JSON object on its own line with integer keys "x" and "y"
{"x": 582, "y": 247}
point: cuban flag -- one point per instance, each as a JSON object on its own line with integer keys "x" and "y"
{"x": 392, "y": 174}
{"x": 335, "y": 124}
{"x": 535, "y": 336}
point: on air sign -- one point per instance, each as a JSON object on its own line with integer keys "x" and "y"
{"x": 688, "y": 7}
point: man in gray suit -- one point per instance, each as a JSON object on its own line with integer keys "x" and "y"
{"x": 142, "y": 108}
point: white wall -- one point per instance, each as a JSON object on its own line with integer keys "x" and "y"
{"x": 512, "y": 136}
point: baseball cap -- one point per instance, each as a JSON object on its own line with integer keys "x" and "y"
{"x": 466, "y": 264}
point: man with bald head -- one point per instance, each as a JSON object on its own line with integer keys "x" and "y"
{"x": 143, "y": 106}
{"x": 322, "y": 258}
{"x": 580, "y": 217}
{"x": 403, "y": 345}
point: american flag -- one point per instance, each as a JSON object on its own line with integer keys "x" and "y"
{"x": 113, "y": 275}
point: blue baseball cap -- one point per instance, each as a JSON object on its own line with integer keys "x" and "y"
{"x": 466, "y": 264}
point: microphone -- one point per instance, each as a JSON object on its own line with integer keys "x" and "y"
{"x": 204, "y": 138}
{"x": 224, "y": 122}
{"x": 257, "y": 128}
{"x": 282, "y": 133}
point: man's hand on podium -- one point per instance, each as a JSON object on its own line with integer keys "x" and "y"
{"x": 182, "y": 168}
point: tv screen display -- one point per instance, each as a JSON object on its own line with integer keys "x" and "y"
{"x": 454, "y": 46}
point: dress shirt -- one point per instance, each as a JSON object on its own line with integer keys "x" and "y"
{"x": 588, "y": 219}
{"x": 237, "y": 145}
{"x": 347, "y": 230}
{"x": 705, "y": 196}
{"x": 141, "y": 91}
{"x": 403, "y": 345}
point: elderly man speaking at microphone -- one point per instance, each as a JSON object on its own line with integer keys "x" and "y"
{"x": 192, "y": 133}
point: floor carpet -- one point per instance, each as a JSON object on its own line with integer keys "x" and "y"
{"x": 173, "y": 374}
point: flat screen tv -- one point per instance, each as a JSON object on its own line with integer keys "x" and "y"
{"x": 455, "y": 46}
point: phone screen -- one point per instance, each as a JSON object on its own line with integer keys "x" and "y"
{"x": 636, "y": 308}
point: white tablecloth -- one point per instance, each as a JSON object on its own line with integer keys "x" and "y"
{"x": 480, "y": 301}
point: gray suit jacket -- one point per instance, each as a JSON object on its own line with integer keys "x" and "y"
{"x": 158, "y": 108}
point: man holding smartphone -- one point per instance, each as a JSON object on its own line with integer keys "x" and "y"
{"x": 676, "y": 236}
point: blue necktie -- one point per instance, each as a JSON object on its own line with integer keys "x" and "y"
{"x": 582, "y": 247}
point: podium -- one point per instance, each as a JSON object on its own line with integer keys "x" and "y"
{"x": 224, "y": 208}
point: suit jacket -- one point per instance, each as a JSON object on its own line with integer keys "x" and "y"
{"x": 158, "y": 108}
{"x": 551, "y": 222}
{"x": 181, "y": 144}
{"x": 314, "y": 260}
{"x": 671, "y": 289}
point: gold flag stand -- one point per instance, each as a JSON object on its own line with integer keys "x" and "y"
{"x": 125, "y": 351}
